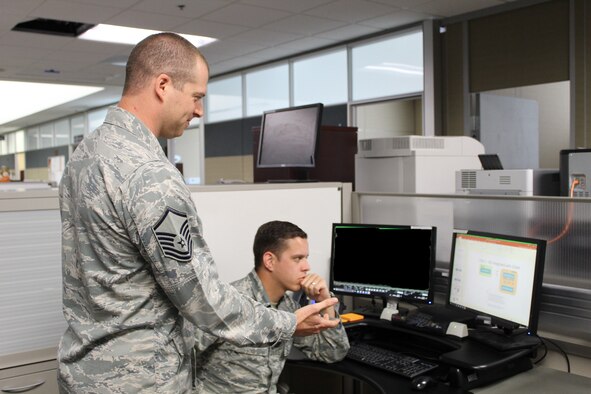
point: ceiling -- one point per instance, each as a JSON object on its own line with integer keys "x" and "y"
{"x": 249, "y": 32}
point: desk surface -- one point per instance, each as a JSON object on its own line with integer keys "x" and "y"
{"x": 538, "y": 380}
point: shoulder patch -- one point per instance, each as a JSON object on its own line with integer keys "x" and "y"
{"x": 173, "y": 235}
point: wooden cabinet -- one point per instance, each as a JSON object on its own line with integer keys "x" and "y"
{"x": 335, "y": 158}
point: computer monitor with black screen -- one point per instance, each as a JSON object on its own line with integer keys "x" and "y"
{"x": 498, "y": 278}
{"x": 390, "y": 262}
{"x": 288, "y": 137}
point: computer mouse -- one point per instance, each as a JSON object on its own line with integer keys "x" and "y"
{"x": 422, "y": 382}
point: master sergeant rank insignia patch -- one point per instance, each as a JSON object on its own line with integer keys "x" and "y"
{"x": 173, "y": 235}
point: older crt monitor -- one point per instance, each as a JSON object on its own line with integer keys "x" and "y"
{"x": 288, "y": 137}
{"x": 499, "y": 278}
{"x": 383, "y": 260}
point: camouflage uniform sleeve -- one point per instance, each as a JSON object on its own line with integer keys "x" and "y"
{"x": 329, "y": 346}
{"x": 162, "y": 220}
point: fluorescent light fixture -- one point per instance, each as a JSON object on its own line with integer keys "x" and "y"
{"x": 21, "y": 99}
{"x": 132, "y": 35}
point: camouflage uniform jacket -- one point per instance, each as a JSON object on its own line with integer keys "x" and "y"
{"x": 225, "y": 368}
{"x": 137, "y": 273}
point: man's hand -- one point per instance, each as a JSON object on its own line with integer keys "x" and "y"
{"x": 309, "y": 320}
{"x": 316, "y": 289}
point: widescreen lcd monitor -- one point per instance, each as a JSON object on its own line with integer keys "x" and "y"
{"x": 498, "y": 277}
{"x": 383, "y": 260}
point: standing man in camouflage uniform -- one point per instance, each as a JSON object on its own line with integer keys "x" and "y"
{"x": 137, "y": 273}
{"x": 279, "y": 279}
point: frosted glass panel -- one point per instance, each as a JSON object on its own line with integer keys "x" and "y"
{"x": 224, "y": 99}
{"x": 321, "y": 79}
{"x": 267, "y": 89}
{"x": 388, "y": 68}
{"x": 564, "y": 223}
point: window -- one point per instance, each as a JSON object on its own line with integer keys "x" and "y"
{"x": 46, "y": 135}
{"x": 267, "y": 89}
{"x": 96, "y": 118}
{"x": 77, "y": 127}
{"x": 62, "y": 132}
{"x": 321, "y": 79}
{"x": 32, "y": 138}
{"x": 388, "y": 67}
{"x": 224, "y": 99}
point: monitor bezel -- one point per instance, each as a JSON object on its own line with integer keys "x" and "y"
{"x": 319, "y": 109}
{"x": 431, "y": 290}
{"x": 495, "y": 320}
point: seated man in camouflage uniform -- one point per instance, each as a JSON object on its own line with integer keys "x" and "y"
{"x": 280, "y": 278}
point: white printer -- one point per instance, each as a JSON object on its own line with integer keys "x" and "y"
{"x": 414, "y": 164}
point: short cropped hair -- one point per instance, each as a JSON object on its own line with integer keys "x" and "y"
{"x": 167, "y": 53}
{"x": 272, "y": 237}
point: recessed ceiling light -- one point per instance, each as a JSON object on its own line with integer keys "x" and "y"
{"x": 26, "y": 98}
{"x": 132, "y": 35}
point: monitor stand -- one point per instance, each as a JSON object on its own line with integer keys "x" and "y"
{"x": 500, "y": 339}
{"x": 374, "y": 310}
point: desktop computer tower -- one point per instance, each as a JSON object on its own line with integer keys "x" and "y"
{"x": 575, "y": 166}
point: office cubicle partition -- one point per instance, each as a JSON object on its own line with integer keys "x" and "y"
{"x": 565, "y": 223}
{"x": 31, "y": 323}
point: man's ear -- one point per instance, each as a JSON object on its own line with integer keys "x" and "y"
{"x": 161, "y": 85}
{"x": 269, "y": 261}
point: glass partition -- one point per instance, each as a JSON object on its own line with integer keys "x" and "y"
{"x": 565, "y": 224}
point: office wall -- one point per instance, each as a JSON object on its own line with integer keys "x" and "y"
{"x": 535, "y": 45}
{"x": 30, "y": 277}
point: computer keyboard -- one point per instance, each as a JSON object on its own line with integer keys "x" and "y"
{"x": 388, "y": 360}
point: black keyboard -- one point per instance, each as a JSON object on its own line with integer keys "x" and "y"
{"x": 388, "y": 360}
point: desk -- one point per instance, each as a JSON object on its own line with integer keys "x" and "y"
{"x": 539, "y": 380}
{"x": 467, "y": 358}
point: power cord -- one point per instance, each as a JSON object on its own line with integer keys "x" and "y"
{"x": 560, "y": 349}
{"x": 569, "y": 214}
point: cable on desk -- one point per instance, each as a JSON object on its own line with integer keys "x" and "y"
{"x": 561, "y": 350}
{"x": 545, "y": 352}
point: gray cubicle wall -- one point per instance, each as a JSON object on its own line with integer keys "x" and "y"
{"x": 31, "y": 322}
{"x": 565, "y": 223}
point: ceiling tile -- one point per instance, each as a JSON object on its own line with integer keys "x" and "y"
{"x": 304, "y": 25}
{"x": 147, "y": 20}
{"x": 351, "y": 10}
{"x": 288, "y": 5}
{"x": 74, "y": 12}
{"x": 246, "y": 15}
